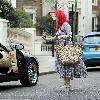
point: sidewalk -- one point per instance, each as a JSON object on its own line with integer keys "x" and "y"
{"x": 46, "y": 64}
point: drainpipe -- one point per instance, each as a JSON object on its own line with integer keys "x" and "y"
{"x": 53, "y": 32}
{"x": 74, "y": 23}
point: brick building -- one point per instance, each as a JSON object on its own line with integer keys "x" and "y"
{"x": 30, "y": 4}
{"x": 33, "y": 7}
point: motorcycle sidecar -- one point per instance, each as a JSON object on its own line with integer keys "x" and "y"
{"x": 28, "y": 66}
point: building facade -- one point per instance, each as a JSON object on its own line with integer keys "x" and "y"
{"x": 83, "y": 16}
{"x": 42, "y": 7}
{"x": 95, "y": 13}
{"x": 86, "y": 19}
{"x": 33, "y": 7}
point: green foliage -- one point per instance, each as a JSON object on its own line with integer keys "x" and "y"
{"x": 45, "y": 24}
{"x": 17, "y": 18}
{"x": 24, "y": 19}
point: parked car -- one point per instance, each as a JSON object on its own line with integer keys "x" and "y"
{"x": 91, "y": 49}
{"x": 28, "y": 66}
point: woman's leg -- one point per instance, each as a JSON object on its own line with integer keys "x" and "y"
{"x": 67, "y": 81}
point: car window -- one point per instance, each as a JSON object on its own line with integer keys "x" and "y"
{"x": 92, "y": 39}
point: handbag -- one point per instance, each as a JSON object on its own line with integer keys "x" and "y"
{"x": 69, "y": 54}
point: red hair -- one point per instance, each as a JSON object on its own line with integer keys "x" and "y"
{"x": 61, "y": 19}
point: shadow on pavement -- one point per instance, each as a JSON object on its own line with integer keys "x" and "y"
{"x": 93, "y": 69}
{"x": 8, "y": 87}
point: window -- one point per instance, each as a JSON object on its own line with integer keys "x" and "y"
{"x": 94, "y": 24}
{"x": 31, "y": 11}
{"x": 92, "y": 39}
{"x": 95, "y": 2}
{"x": 31, "y": 15}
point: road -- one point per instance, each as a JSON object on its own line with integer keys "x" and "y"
{"x": 48, "y": 88}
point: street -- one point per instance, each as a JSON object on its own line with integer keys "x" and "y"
{"x": 48, "y": 88}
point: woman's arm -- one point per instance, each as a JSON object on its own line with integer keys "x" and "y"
{"x": 63, "y": 36}
{"x": 50, "y": 38}
{"x": 68, "y": 32}
{"x": 56, "y": 37}
{"x": 64, "y": 32}
{"x": 67, "y": 28}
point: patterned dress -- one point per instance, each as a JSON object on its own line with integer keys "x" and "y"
{"x": 78, "y": 70}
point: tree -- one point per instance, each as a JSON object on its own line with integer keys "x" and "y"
{"x": 24, "y": 19}
{"x": 45, "y": 24}
{"x": 16, "y": 18}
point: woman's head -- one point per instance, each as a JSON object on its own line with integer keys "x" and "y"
{"x": 60, "y": 19}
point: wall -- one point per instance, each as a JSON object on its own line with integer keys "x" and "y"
{"x": 78, "y": 10}
{"x": 3, "y": 31}
{"x": 26, "y": 36}
{"x": 95, "y": 13}
{"x": 84, "y": 9}
{"x": 35, "y": 45}
{"x": 86, "y": 16}
{"x": 23, "y": 36}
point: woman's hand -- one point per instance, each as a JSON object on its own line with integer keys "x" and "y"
{"x": 62, "y": 36}
{"x": 44, "y": 36}
{"x": 56, "y": 37}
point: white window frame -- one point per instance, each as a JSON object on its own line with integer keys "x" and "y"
{"x": 95, "y": 21}
{"x": 95, "y": 3}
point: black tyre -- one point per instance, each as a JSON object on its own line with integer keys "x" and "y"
{"x": 30, "y": 74}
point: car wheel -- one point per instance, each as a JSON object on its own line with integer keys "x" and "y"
{"x": 30, "y": 74}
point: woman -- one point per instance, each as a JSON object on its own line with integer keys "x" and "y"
{"x": 63, "y": 36}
